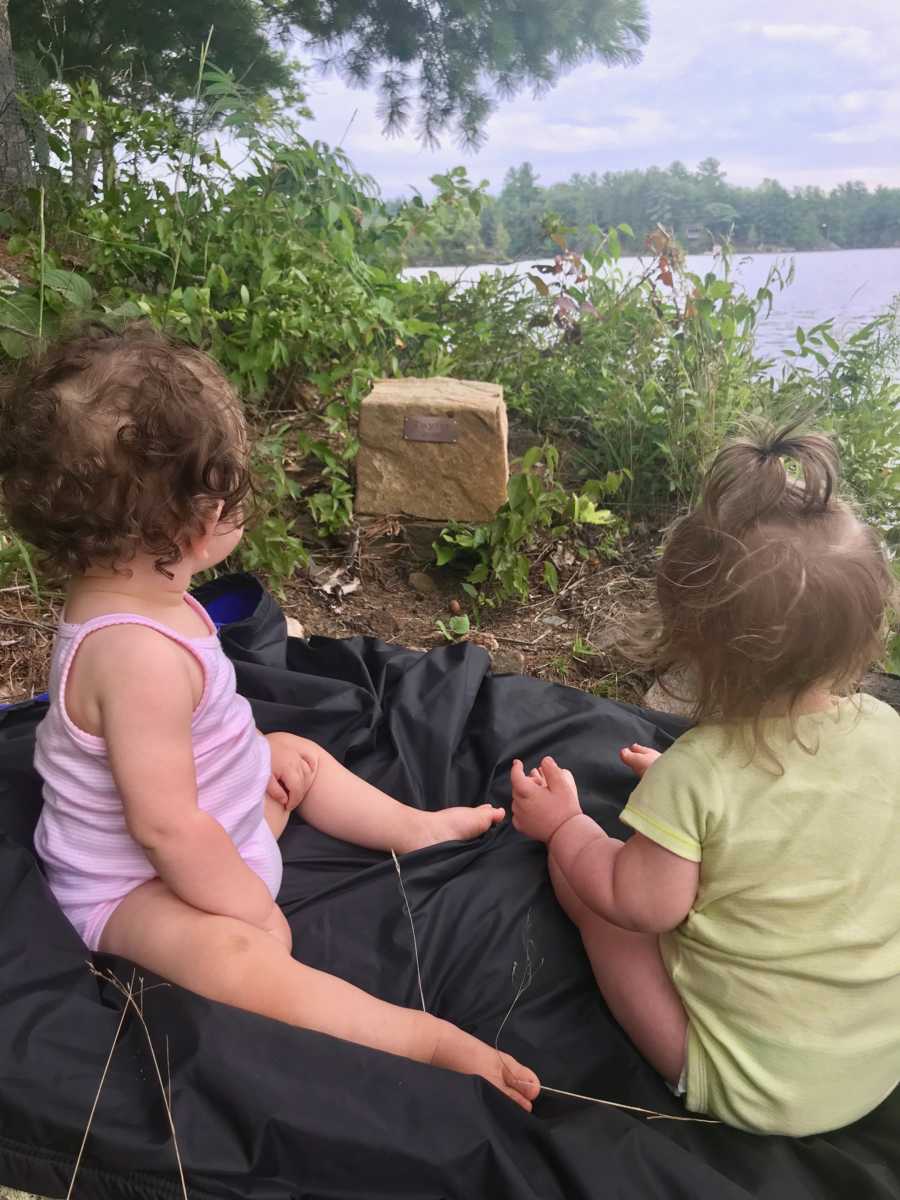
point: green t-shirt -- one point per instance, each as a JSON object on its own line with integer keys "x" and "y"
{"x": 788, "y": 963}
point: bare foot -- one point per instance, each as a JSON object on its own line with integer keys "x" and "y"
{"x": 459, "y": 1051}
{"x": 638, "y": 757}
{"x": 454, "y": 825}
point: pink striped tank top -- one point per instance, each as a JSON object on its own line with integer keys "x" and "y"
{"x": 91, "y": 860}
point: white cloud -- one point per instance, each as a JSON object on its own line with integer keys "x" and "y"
{"x": 852, "y": 40}
{"x": 861, "y": 135}
{"x": 636, "y": 126}
{"x": 881, "y": 107}
{"x": 854, "y": 102}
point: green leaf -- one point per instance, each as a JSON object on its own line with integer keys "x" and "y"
{"x": 414, "y": 326}
{"x": 587, "y": 513}
{"x": 21, "y": 312}
{"x": 73, "y": 288}
{"x": 15, "y": 345}
{"x": 531, "y": 457}
{"x": 551, "y": 576}
{"x": 893, "y": 655}
{"x": 126, "y": 311}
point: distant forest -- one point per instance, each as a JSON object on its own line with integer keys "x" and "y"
{"x": 701, "y": 207}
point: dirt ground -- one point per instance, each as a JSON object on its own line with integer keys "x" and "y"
{"x": 568, "y": 638}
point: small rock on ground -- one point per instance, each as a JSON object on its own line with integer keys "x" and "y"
{"x": 507, "y": 661}
{"x": 422, "y": 583}
{"x": 480, "y": 637}
{"x": 659, "y": 698}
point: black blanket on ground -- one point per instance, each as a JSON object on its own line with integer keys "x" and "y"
{"x": 267, "y": 1112}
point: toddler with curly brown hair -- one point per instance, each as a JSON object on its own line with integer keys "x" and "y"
{"x": 125, "y": 460}
{"x": 747, "y": 935}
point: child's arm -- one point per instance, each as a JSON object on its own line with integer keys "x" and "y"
{"x": 146, "y": 703}
{"x": 636, "y": 885}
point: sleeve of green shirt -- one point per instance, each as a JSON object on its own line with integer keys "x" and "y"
{"x": 671, "y": 804}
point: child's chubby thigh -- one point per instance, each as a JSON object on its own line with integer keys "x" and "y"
{"x": 158, "y": 930}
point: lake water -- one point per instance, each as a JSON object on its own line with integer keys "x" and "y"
{"x": 852, "y": 286}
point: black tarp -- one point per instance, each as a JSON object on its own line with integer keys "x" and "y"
{"x": 267, "y": 1112}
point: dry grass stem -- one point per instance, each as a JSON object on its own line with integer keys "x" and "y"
{"x": 30, "y": 624}
{"x": 87, "y": 1128}
{"x": 25, "y": 655}
{"x": 412, "y": 926}
{"x": 127, "y": 992}
{"x": 650, "y": 1113}
{"x": 529, "y": 971}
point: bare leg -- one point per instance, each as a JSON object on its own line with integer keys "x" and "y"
{"x": 236, "y": 963}
{"x": 634, "y": 982}
{"x": 345, "y": 806}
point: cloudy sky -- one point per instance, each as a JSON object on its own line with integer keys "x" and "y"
{"x": 805, "y": 91}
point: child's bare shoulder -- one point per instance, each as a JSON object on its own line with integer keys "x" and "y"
{"x": 129, "y": 663}
{"x": 128, "y": 644}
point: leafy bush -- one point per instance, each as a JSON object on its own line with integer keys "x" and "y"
{"x": 643, "y": 375}
{"x": 852, "y": 390}
{"x": 289, "y": 272}
{"x": 539, "y": 513}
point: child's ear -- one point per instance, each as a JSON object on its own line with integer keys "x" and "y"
{"x": 202, "y": 544}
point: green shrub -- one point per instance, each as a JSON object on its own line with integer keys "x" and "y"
{"x": 288, "y": 275}
{"x": 852, "y": 390}
{"x": 289, "y": 272}
{"x": 539, "y": 512}
{"x": 643, "y": 375}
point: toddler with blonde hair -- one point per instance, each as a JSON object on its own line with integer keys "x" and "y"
{"x": 747, "y": 935}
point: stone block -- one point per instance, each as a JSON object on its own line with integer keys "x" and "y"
{"x": 432, "y": 448}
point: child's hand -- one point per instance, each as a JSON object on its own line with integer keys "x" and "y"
{"x": 638, "y": 757}
{"x": 543, "y": 800}
{"x": 459, "y": 1051}
{"x": 293, "y": 769}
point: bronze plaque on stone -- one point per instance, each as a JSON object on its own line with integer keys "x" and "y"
{"x": 430, "y": 429}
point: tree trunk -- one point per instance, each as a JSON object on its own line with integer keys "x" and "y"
{"x": 16, "y": 171}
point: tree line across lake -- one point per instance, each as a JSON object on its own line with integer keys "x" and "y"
{"x": 700, "y": 207}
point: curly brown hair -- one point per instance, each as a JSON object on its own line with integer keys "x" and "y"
{"x": 771, "y": 585}
{"x": 112, "y": 444}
